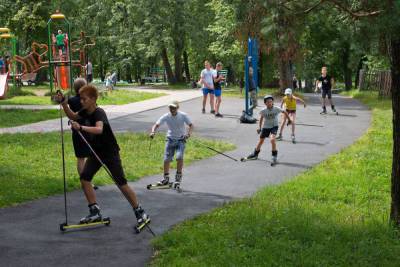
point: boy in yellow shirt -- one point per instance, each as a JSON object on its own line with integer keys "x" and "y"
{"x": 290, "y": 103}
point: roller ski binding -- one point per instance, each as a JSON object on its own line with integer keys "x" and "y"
{"x": 252, "y": 156}
{"x": 163, "y": 184}
{"x": 142, "y": 219}
{"x": 94, "y": 215}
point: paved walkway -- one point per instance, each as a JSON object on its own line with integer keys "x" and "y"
{"x": 29, "y": 232}
{"x": 113, "y": 111}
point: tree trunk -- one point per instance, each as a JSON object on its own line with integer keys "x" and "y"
{"x": 346, "y": 69}
{"x": 178, "y": 61}
{"x": 285, "y": 79}
{"x": 186, "y": 66}
{"x": 395, "y": 68}
{"x": 167, "y": 66}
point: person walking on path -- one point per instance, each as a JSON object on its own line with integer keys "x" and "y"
{"x": 326, "y": 83}
{"x": 289, "y": 103}
{"x": 102, "y": 140}
{"x": 207, "y": 81}
{"x": 268, "y": 127}
{"x": 176, "y": 138}
{"x": 89, "y": 71}
{"x": 218, "y": 89}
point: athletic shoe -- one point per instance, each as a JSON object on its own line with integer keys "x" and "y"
{"x": 212, "y": 111}
{"x": 164, "y": 181}
{"x": 279, "y": 137}
{"x": 203, "y": 111}
{"x": 218, "y": 115}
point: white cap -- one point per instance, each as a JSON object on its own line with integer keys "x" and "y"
{"x": 288, "y": 91}
{"x": 174, "y": 104}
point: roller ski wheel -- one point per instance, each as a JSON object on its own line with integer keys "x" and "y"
{"x": 62, "y": 227}
{"x": 139, "y": 227}
{"x": 177, "y": 186}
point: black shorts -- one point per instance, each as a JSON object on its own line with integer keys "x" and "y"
{"x": 80, "y": 147}
{"x": 113, "y": 163}
{"x": 265, "y": 132}
{"x": 327, "y": 92}
{"x": 290, "y": 111}
{"x": 89, "y": 78}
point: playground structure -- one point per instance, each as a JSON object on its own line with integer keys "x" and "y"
{"x": 251, "y": 72}
{"x": 7, "y": 36}
{"x": 59, "y": 63}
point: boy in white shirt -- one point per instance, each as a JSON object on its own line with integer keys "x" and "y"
{"x": 207, "y": 80}
{"x": 176, "y": 139}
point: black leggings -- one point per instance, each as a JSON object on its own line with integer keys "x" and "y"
{"x": 113, "y": 163}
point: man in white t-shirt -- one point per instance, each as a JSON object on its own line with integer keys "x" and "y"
{"x": 207, "y": 80}
{"x": 176, "y": 138}
{"x": 89, "y": 72}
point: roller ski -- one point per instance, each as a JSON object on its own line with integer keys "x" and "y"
{"x": 324, "y": 111}
{"x": 252, "y": 156}
{"x": 166, "y": 184}
{"x": 94, "y": 218}
{"x": 142, "y": 220}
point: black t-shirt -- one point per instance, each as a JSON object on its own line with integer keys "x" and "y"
{"x": 105, "y": 144}
{"x": 75, "y": 105}
{"x": 326, "y": 82}
{"x": 217, "y": 85}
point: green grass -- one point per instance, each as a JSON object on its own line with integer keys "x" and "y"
{"x": 16, "y": 117}
{"x": 335, "y": 214}
{"x": 31, "y": 163}
{"x": 117, "y": 97}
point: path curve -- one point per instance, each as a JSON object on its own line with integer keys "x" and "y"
{"x": 30, "y": 235}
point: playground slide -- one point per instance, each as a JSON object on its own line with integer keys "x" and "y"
{"x": 63, "y": 77}
{"x": 3, "y": 85}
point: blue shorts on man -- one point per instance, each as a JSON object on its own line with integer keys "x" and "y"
{"x": 207, "y": 91}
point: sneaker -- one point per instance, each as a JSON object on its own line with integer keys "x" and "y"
{"x": 203, "y": 111}
{"x": 212, "y": 111}
{"x": 178, "y": 177}
{"x": 253, "y": 155}
{"x": 94, "y": 215}
{"x": 279, "y": 137}
{"x": 141, "y": 216}
{"x": 218, "y": 115}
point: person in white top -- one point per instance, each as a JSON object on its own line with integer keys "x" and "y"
{"x": 207, "y": 80}
{"x": 176, "y": 138}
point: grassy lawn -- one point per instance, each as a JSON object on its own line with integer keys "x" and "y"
{"x": 16, "y": 117}
{"x": 117, "y": 97}
{"x": 335, "y": 214}
{"x": 31, "y": 163}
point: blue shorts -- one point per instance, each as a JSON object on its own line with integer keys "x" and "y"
{"x": 218, "y": 92}
{"x": 174, "y": 145}
{"x": 207, "y": 91}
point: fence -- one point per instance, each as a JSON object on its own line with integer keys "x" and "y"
{"x": 376, "y": 80}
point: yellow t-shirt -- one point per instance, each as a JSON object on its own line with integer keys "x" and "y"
{"x": 290, "y": 103}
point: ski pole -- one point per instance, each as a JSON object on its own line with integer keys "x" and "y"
{"x": 63, "y": 166}
{"x": 213, "y": 149}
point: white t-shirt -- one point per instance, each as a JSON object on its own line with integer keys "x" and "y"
{"x": 208, "y": 77}
{"x": 176, "y": 124}
{"x": 270, "y": 117}
{"x": 89, "y": 68}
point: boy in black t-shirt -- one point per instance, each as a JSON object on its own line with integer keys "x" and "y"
{"x": 325, "y": 82}
{"x": 104, "y": 143}
{"x": 218, "y": 89}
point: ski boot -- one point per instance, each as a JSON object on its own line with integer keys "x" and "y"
{"x": 165, "y": 180}
{"x": 323, "y": 112}
{"x": 279, "y": 137}
{"x": 94, "y": 214}
{"x": 293, "y": 139}
{"x": 178, "y": 180}
{"x": 203, "y": 111}
{"x": 274, "y": 158}
{"x": 334, "y": 110}
{"x": 252, "y": 156}
{"x": 142, "y": 218}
